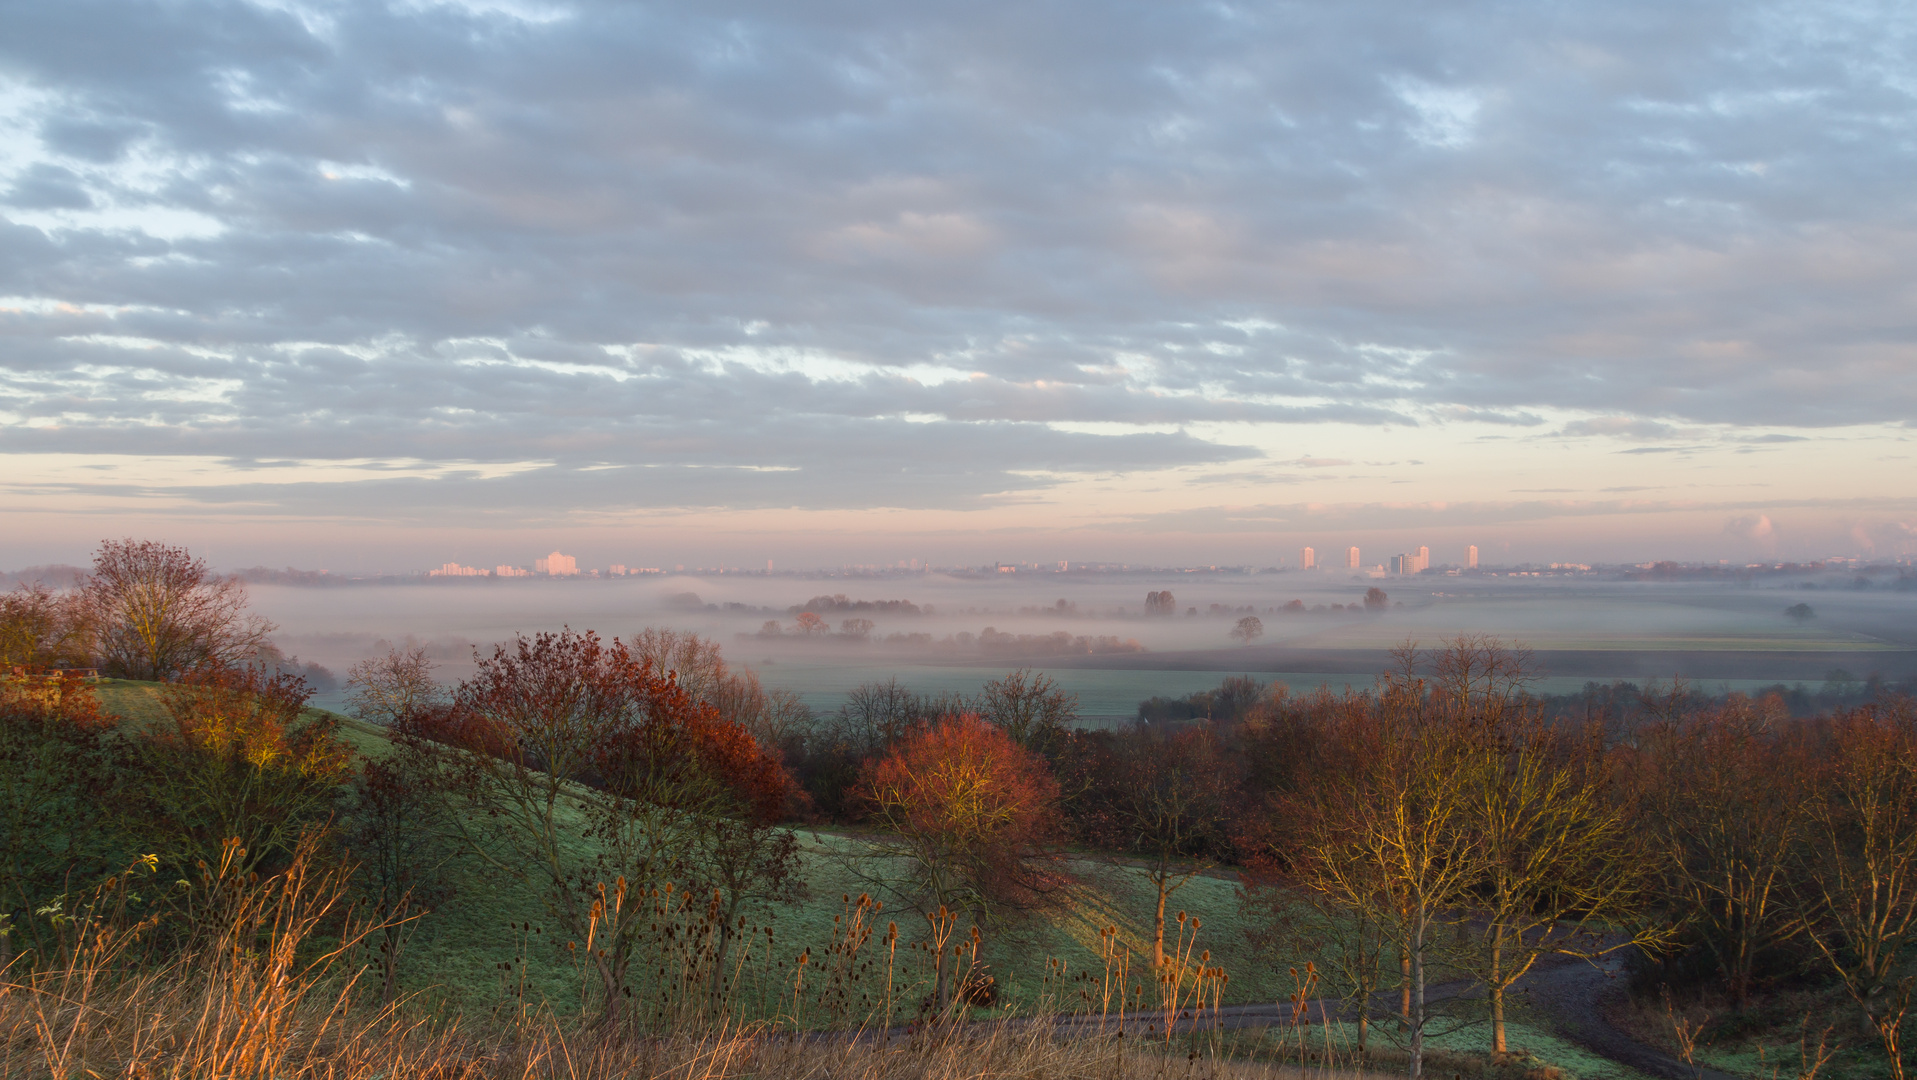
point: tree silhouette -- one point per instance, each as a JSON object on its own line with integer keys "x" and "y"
{"x": 1249, "y": 629}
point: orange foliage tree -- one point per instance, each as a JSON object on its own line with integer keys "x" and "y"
{"x": 973, "y": 812}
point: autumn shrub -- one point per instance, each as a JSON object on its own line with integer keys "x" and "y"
{"x": 239, "y": 760}
{"x": 40, "y": 628}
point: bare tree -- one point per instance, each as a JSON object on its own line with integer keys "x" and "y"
{"x": 1561, "y": 864}
{"x": 697, "y": 663}
{"x": 1390, "y": 831}
{"x": 1860, "y": 866}
{"x": 1559, "y": 856}
{"x": 158, "y": 613}
{"x": 388, "y": 687}
{"x": 1166, "y": 800}
{"x": 1723, "y": 801}
{"x": 1029, "y": 707}
{"x": 40, "y": 628}
{"x": 1249, "y": 629}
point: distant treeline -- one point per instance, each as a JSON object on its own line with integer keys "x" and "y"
{"x": 53, "y": 576}
{"x": 1901, "y": 578}
{"x": 837, "y": 604}
{"x": 1237, "y": 696}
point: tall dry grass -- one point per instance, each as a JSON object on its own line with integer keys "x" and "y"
{"x": 262, "y": 981}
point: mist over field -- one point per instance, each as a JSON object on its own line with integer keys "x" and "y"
{"x": 1091, "y": 633}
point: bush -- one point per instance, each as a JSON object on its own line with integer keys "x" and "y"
{"x": 240, "y": 762}
{"x": 55, "y": 777}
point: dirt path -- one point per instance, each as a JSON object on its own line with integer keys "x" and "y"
{"x": 1570, "y": 996}
{"x": 1566, "y": 996}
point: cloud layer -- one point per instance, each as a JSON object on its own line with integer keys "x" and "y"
{"x": 827, "y": 256}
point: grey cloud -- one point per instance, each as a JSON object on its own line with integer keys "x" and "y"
{"x": 90, "y": 139}
{"x": 47, "y": 187}
{"x": 955, "y": 466}
{"x": 1752, "y": 520}
{"x": 1462, "y": 413}
{"x": 1623, "y": 427}
{"x": 446, "y": 233}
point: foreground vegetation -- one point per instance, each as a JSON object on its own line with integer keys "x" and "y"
{"x": 605, "y": 847}
{"x": 262, "y": 989}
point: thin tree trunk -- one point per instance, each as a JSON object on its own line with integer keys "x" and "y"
{"x": 389, "y": 984}
{"x": 1415, "y": 958}
{"x": 1158, "y": 926}
{"x": 1497, "y": 990}
{"x": 1404, "y": 983}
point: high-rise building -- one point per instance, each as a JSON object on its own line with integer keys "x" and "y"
{"x": 1308, "y": 559}
{"x": 1424, "y": 559}
{"x": 511, "y": 571}
{"x": 616, "y": 570}
{"x": 453, "y": 569}
{"x": 1351, "y": 558}
{"x": 557, "y": 565}
{"x": 1471, "y": 557}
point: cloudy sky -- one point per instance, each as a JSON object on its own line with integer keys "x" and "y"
{"x": 385, "y": 283}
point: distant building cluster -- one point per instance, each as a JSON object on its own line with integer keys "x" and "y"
{"x": 1410, "y": 562}
{"x": 557, "y": 564}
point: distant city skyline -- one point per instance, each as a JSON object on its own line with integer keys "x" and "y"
{"x": 1413, "y": 562}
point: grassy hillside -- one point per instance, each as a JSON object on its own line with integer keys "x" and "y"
{"x": 459, "y": 952}
{"x": 140, "y": 703}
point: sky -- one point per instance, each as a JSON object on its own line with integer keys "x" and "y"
{"x": 382, "y": 284}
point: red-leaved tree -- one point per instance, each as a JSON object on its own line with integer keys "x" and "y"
{"x": 973, "y": 812}
{"x": 562, "y": 726}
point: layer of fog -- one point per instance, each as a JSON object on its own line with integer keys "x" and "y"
{"x": 1063, "y": 616}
